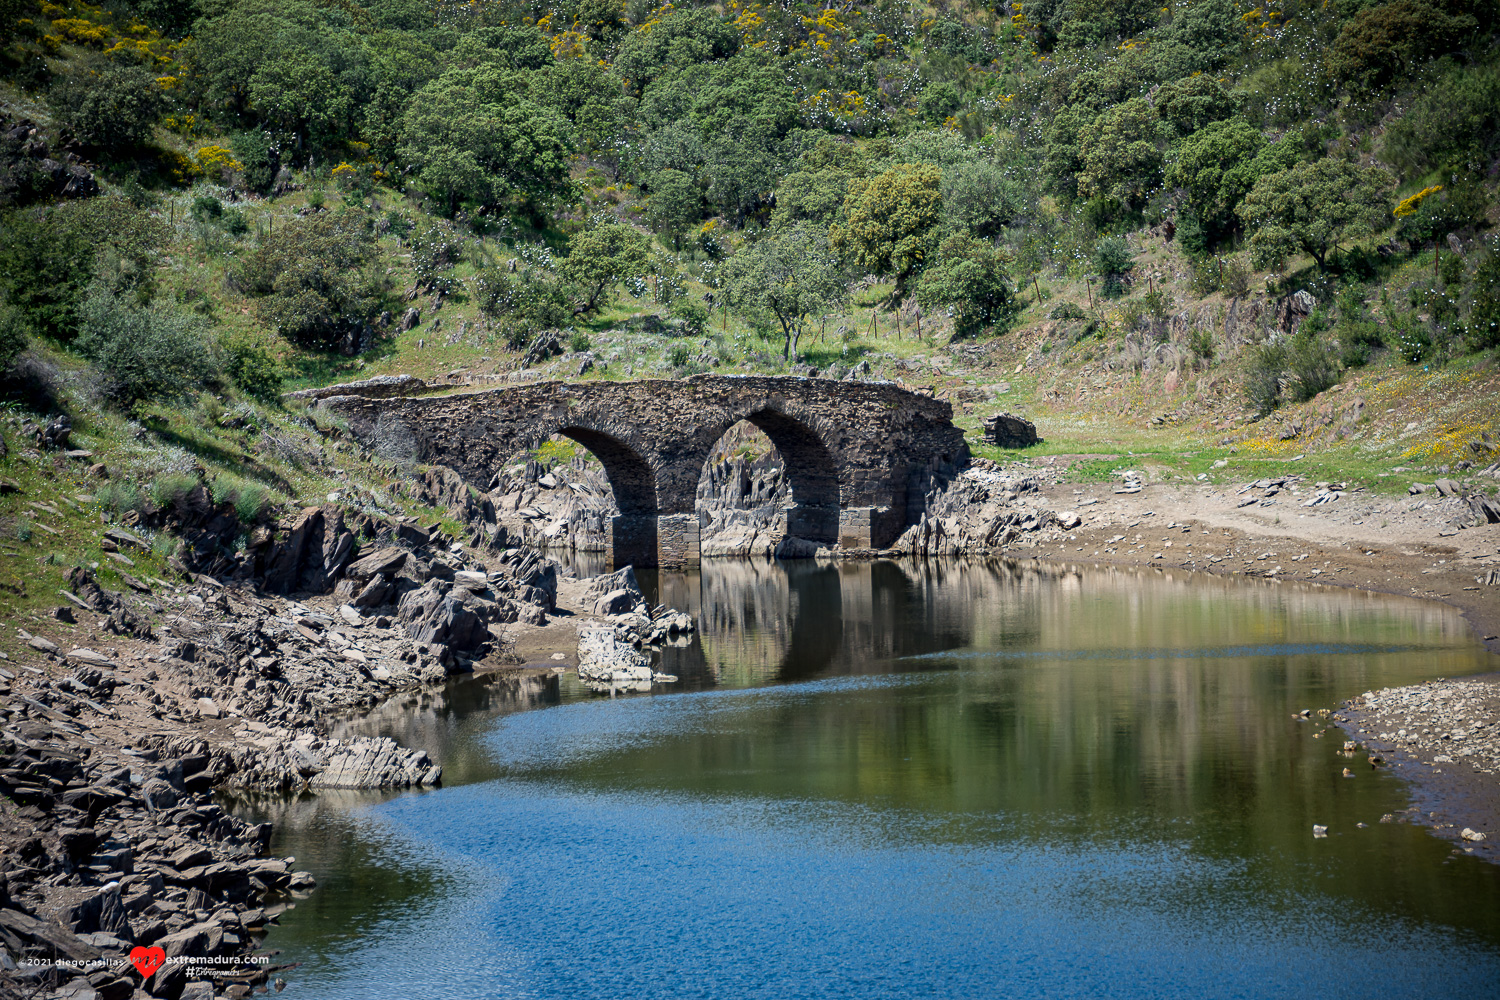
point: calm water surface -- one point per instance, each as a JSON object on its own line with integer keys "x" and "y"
{"x": 888, "y": 780}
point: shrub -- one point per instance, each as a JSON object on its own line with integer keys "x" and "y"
{"x": 206, "y": 208}
{"x": 12, "y": 334}
{"x": 693, "y": 314}
{"x": 529, "y": 300}
{"x": 234, "y": 223}
{"x": 1484, "y": 314}
{"x": 1411, "y": 339}
{"x": 317, "y": 279}
{"x": 678, "y": 356}
{"x": 972, "y": 278}
{"x": 250, "y": 499}
{"x": 1357, "y": 339}
{"x": 1265, "y": 367}
{"x": 1310, "y": 367}
{"x": 1452, "y": 208}
{"x": 109, "y": 105}
{"x": 144, "y": 353}
{"x": 170, "y": 489}
{"x": 1113, "y": 259}
{"x": 120, "y": 496}
{"x": 579, "y": 342}
{"x": 1236, "y": 277}
{"x": 1201, "y": 343}
{"x": 259, "y": 160}
{"x": 434, "y": 251}
{"x": 48, "y": 257}
{"x": 252, "y": 365}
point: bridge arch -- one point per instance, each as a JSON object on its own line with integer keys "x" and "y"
{"x": 633, "y": 537}
{"x": 811, "y": 467}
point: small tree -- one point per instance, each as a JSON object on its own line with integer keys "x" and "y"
{"x": 109, "y": 105}
{"x": 891, "y": 222}
{"x": 1122, "y": 159}
{"x": 1314, "y": 207}
{"x": 1114, "y": 260}
{"x": 970, "y": 276}
{"x": 315, "y": 279}
{"x": 13, "y": 334}
{"x": 1210, "y": 170}
{"x": 599, "y": 259}
{"x": 676, "y": 203}
{"x": 787, "y": 275}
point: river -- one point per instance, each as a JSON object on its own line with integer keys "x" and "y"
{"x": 898, "y": 780}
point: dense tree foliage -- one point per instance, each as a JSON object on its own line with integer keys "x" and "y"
{"x": 1313, "y": 207}
{"x": 891, "y": 221}
{"x": 947, "y": 150}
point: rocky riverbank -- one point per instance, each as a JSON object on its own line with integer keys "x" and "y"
{"x": 1445, "y": 737}
{"x": 136, "y": 705}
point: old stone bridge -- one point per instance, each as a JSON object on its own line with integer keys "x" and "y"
{"x": 859, "y": 455}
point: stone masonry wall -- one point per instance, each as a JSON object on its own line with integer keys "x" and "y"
{"x": 854, "y": 451}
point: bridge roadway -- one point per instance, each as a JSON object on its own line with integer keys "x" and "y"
{"x": 859, "y": 455}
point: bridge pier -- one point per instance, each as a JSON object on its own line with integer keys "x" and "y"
{"x": 632, "y": 540}
{"x": 677, "y": 540}
{"x": 654, "y": 540}
{"x": 816, "y": 524}
{"x": 869, "y": 527}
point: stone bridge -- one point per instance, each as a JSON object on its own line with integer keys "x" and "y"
{"x": 859, "y": 456}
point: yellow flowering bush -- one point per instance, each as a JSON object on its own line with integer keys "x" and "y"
{"x": 216, "y": 161}
{"x": 345, "y": 175}
{"x": 1408, "y": 206}
{"x": 76, "y": 29}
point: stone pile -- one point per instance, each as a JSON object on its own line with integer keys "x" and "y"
{"x": 1007, "y": 430}
{"x": 1455, "y": 720}
{"x": 109, "y": 851}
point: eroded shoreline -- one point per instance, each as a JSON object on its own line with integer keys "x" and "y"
{"x": 114, "y": 718}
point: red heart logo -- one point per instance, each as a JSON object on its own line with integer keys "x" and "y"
{"x": 147, "y": 960}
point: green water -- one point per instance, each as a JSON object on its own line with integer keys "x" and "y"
{"x": 897, "y": 780}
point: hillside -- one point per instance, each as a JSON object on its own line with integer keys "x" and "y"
{"x": 1205, "y": 239}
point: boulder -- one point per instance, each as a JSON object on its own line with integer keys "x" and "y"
{"x": 1008, "y": 430}
{"x": 605, "y": 663}
{"x": 1485, "y": 510}
{"x": 616, "y": 602}
{"x": 1447, "y": 488}
{"x": 453, "y": 617}
{"x": 374, "y": 594}
{"x": 620, "y": 579}
{"x": 376, "y": 763}
{"x": 381, "y": 562}
{"x": 379, "y": 387}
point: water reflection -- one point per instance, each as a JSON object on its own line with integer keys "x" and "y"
{"x": 921, "y": 769}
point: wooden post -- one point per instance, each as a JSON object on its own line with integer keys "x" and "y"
{"x": 918, "y": 314}
{"x": 1036, "y": 285}
{"x": 1150, "y": 286}
{"x": 874, "y": 324}
{"x": 1091, "y": 293}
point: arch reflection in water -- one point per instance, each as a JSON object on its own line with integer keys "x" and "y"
{"x": 976, "y": 779}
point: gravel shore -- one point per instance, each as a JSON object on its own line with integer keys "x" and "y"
{"x": 1444, "y": 737}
